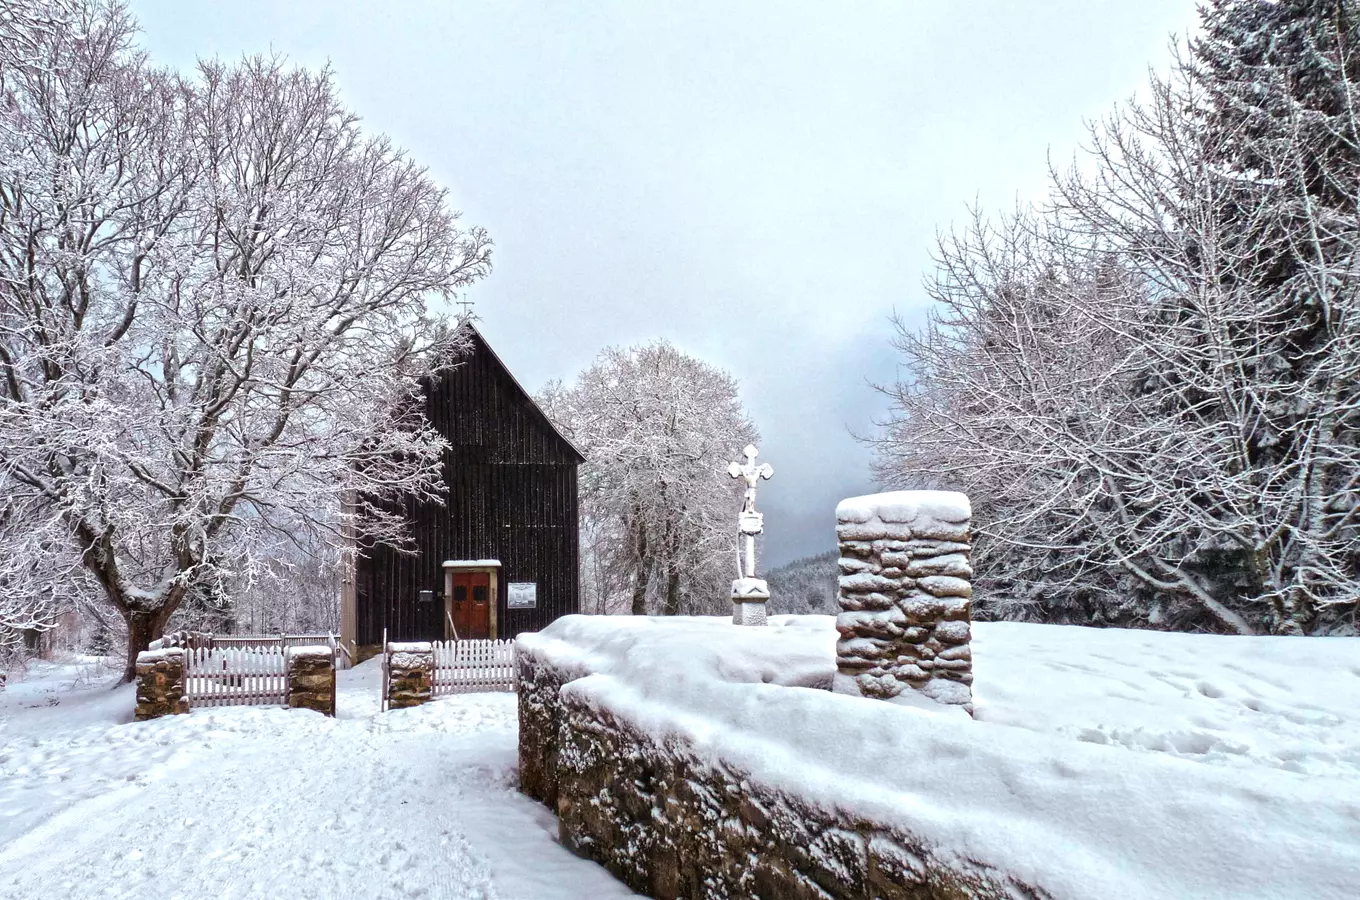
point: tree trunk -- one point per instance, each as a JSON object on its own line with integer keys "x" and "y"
{"x": 142, "y": 629}
{"x": 672, "y": 604}
{"x": 643, "y": 574}
{"x": 143, "y": 625}
{"x": 640, "y": 579}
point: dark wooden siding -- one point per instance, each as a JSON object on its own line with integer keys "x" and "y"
{"x": 511, "y": 496}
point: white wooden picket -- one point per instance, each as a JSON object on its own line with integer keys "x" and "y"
{"x": 236, "y": 675}
{"x": 462, "y": 667}
{"x": 238, "y": 670}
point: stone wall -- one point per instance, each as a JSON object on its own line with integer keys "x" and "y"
{"x": 905, "y": 597}
{"x": 311, "y": 678}
{"x": 410, "y": 674}
{"x": 671, "y": 823}
{"x": 160, "y": 684}
{"x": 540, "y": 724}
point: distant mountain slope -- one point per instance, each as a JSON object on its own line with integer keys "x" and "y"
{"x": 804, "y": 586}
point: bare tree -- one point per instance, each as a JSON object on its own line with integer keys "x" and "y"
{"x": 1152, "y": 385}
{"x": 658, "y": 429}
{"x": 213, "y": 311}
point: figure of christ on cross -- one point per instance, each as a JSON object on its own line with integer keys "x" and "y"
{"x": 752, "y": 473}
{"x": 750, "y": 523}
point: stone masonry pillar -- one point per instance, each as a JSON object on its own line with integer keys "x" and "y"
{"x": 311, "y": 678}
{"x": 905, "y": 597}
{"x": 410, "y": 674}
{"x": 160, "y": 684}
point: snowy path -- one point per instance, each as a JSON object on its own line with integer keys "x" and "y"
{"x": 244, "y": 803}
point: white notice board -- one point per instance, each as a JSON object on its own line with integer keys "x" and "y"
{"x": 521, "y": 595}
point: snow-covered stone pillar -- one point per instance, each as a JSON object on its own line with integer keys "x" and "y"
{"x": 311, "y": 678}
{"x": 410, "y": 674}
{"x": 160, "y": 683}
{"x": 905, "y": 597}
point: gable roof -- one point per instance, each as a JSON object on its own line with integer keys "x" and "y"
{"x": 482, "y": 344}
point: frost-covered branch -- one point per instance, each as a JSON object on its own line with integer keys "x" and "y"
{"x": 1151, "y": 384}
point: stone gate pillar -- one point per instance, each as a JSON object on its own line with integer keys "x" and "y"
{"x": 160, "y": 683}
{"x": 410, "y": 674}
{"x": 311, "y": 678}
{"x": 905, "y": 597}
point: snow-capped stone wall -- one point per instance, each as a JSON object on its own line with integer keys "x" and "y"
{"x": 694, "y": 758}
{"x": 905, "y": 597}
{"x": 410, "y": 674}
{"x": 612, "y": 740}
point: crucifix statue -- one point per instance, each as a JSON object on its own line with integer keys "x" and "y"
{"x": 751, "y": 522}
{"x": 749, "y": 593}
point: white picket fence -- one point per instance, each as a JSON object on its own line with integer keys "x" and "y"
{"x": 238, "y": 670}
{"x": 243, "y": 675}
{"x": 464, "y": 667}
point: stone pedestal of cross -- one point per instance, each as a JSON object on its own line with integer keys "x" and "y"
{"x": 749, "y": 593}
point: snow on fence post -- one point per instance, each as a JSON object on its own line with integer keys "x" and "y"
{"x": 160, "y": 683}
{"x": 311, "y": 678}
{"x": 905, "y": 597}
{"x": 410, "y": 674}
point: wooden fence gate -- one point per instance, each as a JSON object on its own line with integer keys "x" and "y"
{"x": 464, "y": 667}
{"x": 249, "y": 675}
{"x": 240, "y": 670}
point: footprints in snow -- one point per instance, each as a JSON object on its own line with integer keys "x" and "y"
{"x": 1179, "y": 743}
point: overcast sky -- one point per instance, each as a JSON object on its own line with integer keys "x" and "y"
{"x": 759, "y": 183}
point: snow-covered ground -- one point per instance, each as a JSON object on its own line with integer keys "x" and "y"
{"x": 1103, "y": 763}
{"x": 1277, "y": 704}
{"x": 264, "y": 803}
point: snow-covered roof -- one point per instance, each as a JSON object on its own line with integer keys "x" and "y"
{"x": 471, "y": 563}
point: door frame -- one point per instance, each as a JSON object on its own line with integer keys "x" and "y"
{"x": 491, "y": 567}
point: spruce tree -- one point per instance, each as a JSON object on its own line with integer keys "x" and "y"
{"x": 1280, "y": 87}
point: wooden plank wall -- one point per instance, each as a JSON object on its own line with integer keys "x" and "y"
{"x": 512, "y": 497}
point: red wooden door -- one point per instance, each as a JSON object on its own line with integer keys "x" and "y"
{"x": 472, "y": 604}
